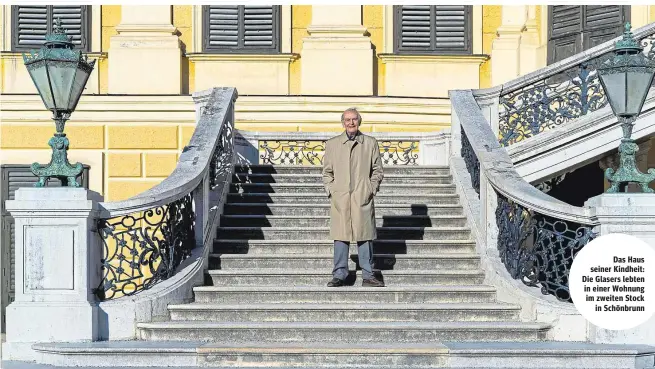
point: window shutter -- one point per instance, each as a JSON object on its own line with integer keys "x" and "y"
{"x": 258, "y": 26}
{"x": 31, "y": 26}
{"x": 433, "y": 29}
{"x": 223, "y": 26}
{"x": 415, "y": 27}
{"x": 32, "y": 23}
{"x": 573, "y": 29}
{"x": 241, "y": 28}
{"x": 451, "y": 27}
{"x": 565, "y": 25}
{"x": 72, "y": 21}
{"x": 602, "y": 23}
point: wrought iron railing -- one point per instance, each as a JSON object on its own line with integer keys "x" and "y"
{"x": 145, "y": 246}
{"x": 538, "y": 236}
{"x": 471, "y": 161}
{"x": 538, "y": 249}
{"x": 310, "y": 152}
{"x": 557, "y": 97}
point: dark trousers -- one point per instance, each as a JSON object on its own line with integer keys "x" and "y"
{"x": 341, "y": 255}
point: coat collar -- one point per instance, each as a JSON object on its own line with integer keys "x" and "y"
{"x": 358, "y": 137}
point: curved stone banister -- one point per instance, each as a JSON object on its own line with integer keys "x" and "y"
{"x": 560, "y": 66}
{"x": 497, "y": 167}
{"x": 192, "y": 165}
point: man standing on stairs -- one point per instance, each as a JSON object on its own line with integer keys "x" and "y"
{"x": 352, "y": 173}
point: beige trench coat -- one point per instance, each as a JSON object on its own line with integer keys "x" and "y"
{"x": 352, "y": 173}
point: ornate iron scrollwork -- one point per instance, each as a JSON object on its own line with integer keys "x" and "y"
{"x": 143, "y": 249}
{"x": 283, "y": 152}
{"x": 555, "y": 100}
{"x": 220, "y": 165}
{"x": 472, "y": 162}
{"x": 310, "y": 152}
{"x": 538, "y": 249}
{"x": 398, "y": 152}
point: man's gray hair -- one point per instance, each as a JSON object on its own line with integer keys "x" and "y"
{"x": 354, "y": 110}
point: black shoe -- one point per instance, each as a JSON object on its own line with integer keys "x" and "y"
{"x": 372, "y": 282}
{"x": 335, "y": 282}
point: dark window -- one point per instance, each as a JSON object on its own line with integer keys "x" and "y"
{"x": 574, "y": 29}
{"x": 30, "y": 24}
{"x": 432, "y": 29}
{"x": 241, "y": 29}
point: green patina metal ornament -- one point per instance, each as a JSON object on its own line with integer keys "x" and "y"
{"x": 59, "y": 74}
{"x": 626, "y": 79}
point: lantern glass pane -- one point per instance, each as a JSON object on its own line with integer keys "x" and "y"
{"x": 638, "y": 86}
{"x": 62, "y": 74}
{"x": 81, "y": 76}
{"x": 38, "y": 72}
{"x": 615, "y": 89}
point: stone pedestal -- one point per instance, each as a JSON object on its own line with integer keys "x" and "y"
{"x": 632, "y": 214}
{"x": 337, "y": 57}
{"x": 57, "y": 267}
{"x": 146, "y": 56}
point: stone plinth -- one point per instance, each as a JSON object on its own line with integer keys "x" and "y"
{"x": 632, "y": 214}
{"x": 57, "y": 267}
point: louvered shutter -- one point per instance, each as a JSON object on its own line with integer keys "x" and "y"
{"x": 565, "y": 38}
{"x": 442, "y": 29}
{"x": 30, "y": 26}
{"x": 602, "y": 23}
{"x": 241, "y": 28}
{"x": 13, "y": 178}
{"x": 573, "y": 29}
{"x": 451, "y": 28}
{"x": 32, "y": 23}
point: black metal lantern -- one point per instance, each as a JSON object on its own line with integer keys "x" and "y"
{"x": 626, "y": 79}
{"x": 59, "y": 74}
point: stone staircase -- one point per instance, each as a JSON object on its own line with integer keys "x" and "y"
{"x": 266, "y": 300}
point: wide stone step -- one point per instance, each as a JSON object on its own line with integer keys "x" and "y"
{"x": 318, "y": 277}
{"x": 385, "y": 189}
{"x": 324, "y": 221}
{"x": 325, "y": 355}
{"x": 339, "y": 355}
{"x": 321, "y": 198}
{"x": 310, "y": 261}
{"x": 317, "y": 169}
{"x": 322, "y": 247}
{"x": 323, "y": 233}
{"x": 312, "y": 210}
{"x": 262, "y": 312}
{"x": 345, "y": 295}
{"x": 341, "y": 331}
{"x": 318, "y": 179}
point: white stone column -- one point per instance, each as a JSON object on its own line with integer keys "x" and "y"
{"x": 337, "y": 58}
{"x": 632, "y": 214}
{"x": 145, "y": 57}
{"x": 505, "y": 49}
{"x": 57, "y": 267}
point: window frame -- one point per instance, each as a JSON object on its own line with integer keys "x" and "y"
{"x": 86, "y": 29}
{"x": 397, "y": 30}
{"x": 277, "y": 33}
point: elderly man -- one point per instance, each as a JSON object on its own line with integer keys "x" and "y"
{"x": 352, "y": 172}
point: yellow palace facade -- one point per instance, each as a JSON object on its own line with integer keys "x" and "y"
{"x": 296, "y": 68}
